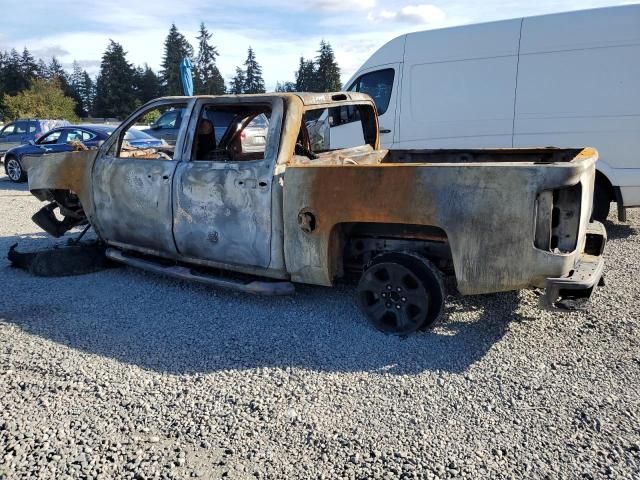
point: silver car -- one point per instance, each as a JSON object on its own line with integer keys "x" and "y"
{"x": 254, "y": 136}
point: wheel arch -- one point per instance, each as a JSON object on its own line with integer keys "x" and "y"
{"x": 364, "y": 240}
{"x": 603, "y": 180}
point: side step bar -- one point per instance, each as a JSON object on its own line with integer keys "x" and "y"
{"x": 184, "y": 273}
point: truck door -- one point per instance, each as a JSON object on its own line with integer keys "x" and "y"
{"x": 381, "y": 84}
{"x": 222, "y": 194}
{"x": 132, "y": 187}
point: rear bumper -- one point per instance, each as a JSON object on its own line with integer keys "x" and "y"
{"x": 574, "y": 291}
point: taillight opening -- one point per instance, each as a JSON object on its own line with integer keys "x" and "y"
{"x": 558, "y": 219}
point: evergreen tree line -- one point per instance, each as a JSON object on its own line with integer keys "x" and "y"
{"x": 121, "y": 87}
{"x": 19, "y": 71}
{"x": 321, "y": 74}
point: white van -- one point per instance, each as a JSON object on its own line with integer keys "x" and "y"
{"x": 566, "y": 80}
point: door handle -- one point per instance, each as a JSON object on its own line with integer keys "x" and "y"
{"x": 246, "y": 183}
{"x": 385, "y": 130}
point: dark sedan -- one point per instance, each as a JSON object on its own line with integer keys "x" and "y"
{"x": 62, "y": 139}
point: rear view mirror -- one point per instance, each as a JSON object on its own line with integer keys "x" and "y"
{"x": 154, "y": 126}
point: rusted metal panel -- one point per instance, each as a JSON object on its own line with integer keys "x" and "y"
{"x": 133, "y": 201}
{"x": 62, "y": 171}
{"x": 487, "y": 211}
{"x": 223, "y": 212}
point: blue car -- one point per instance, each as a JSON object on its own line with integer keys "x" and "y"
{"x": 21, "y": 132}
{"x": 61, "y": 139}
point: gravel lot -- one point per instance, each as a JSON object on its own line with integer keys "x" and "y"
{"x": 122, "y": 374}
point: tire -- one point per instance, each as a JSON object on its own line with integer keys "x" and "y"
{"x": 401, "y": 293}
{"x": 13, "y": 169}
{"x": 601, "y": 200}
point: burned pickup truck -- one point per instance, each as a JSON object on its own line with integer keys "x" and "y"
{"x": 310, "y": 197}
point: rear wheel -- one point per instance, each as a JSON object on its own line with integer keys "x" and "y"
{"x": 601, "y": 199}
{"x": 14, "y": 171}
{"x": 401, "y": 293}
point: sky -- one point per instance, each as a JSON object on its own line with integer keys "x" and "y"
{"x": 280, "y": 31}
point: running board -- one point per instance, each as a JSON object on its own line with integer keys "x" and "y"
{"x": 185, "y": 273}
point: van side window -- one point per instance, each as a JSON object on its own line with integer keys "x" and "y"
{"x": 378, "y": 85}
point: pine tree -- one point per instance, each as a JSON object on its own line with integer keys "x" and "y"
{"x": 327, "y": 73}
{"x": 75, "y": 79}
{"x": 306, "y": 76}
{"x": 285, "y": 87}
{"x": 253, "y": 82}
{"x": 42, "y": 69}
{"x": 115, "y": 93}
{"x": 57, "y": 73}
{"x": 88, "y": 93}
{"x": 176, "y": 47}
{"x": 207, "y": 78}
{"x": 28, "y": 66}
{"x": 238, "y": 82}
{"x": 75, "y": 87}
{"x": 19, "y": 71}
{"x": 4, "y": 61}
{"x": 148, "y": 84}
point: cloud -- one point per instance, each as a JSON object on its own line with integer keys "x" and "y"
{"x": 91, "y": 65}
{"x": 48, "y": 52}
{"x": 342, "y": 4}
{"x": 423, "y": 14}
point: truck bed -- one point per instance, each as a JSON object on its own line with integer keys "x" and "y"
{"x": 492, "y": 205}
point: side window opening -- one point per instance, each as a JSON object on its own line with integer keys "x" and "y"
{"x": 50, "y": 138}
{"x": 74, "y": 135}
{"x": 231, "y": 133}
{"x": 8, "y": 130}
{"x": 21, "y": 128}
{"x": 86, "y": 136}
{"x": 144, "y": 140}
{"x": 378, "y": 85}
{"x": 336, "y": 128}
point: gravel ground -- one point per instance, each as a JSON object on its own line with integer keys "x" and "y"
{"x": 122, "y": 374}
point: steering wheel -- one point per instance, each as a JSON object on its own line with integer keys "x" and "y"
{"x": 300, "y": 149}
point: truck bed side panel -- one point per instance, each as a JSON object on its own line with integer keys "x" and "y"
{"x": 486, "y": 210}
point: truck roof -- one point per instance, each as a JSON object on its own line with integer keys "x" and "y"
{"x": 308, "y": 98}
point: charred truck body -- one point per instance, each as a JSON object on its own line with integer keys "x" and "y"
{"x": 320, "y": 201}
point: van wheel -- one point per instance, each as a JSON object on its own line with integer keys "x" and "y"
{"x": 401, "y": 293}
{"x": 14, "y": 171}
{"x": 601, "y": 200}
